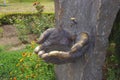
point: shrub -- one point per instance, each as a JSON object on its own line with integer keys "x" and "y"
{"x": 113, "y": 60}
{"x": 11, "y": 18}
{"x": 28, "y": 23}
{"x": 33, "y": 25}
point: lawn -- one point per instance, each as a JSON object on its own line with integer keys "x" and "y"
{"x": 23, "y": 65}
{"x": 25, "y": 7}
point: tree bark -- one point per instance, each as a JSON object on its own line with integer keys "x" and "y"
{"x": 95, "y": 17}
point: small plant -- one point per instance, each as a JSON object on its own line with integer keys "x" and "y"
{"x": 38, "y": 7}
{"x": 111, "y": 74}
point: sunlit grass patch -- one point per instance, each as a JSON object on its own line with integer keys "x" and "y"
{"x": 25, "y": 7}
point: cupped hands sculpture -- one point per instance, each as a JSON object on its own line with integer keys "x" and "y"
{"x": 58, "y": 46}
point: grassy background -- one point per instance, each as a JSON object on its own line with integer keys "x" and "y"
{"x": 23, "y": 7}
{"x": 14, "y": 1}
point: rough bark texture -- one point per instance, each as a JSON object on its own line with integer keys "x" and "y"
{"x": 95, "y": 17}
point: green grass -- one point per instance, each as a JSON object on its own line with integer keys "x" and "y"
{"x": 23, "y": 65}
{"x": 7, "y": 63}
{"x": 25, "y": 7}
{"x": 11, "y": 1}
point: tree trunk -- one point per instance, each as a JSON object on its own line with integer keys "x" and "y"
{"x": 95, "y": 17}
